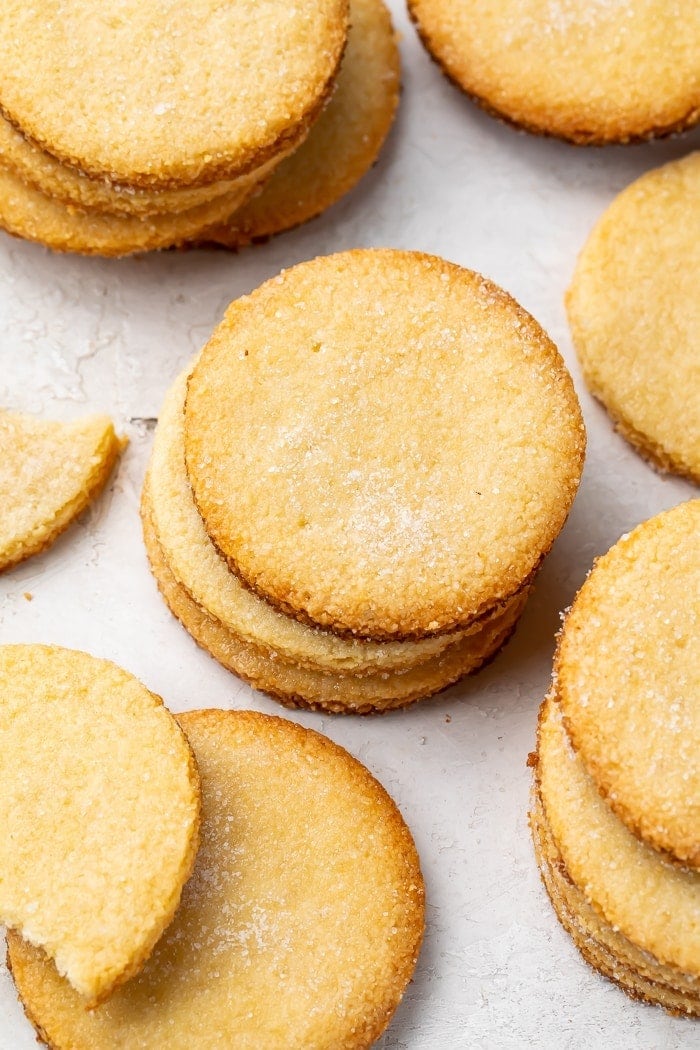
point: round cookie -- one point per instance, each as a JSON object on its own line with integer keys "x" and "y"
{"x": 310, "y": 688}
{"x": 196, "y": 564}
{"x": 628, "y": 676}
{"x": 99, "y": 806}
{"x": 604, "y": 948}
{"x": 382, "y": 443}
{"x": 163, "y": 94}
{"x": 300, "y": 927}
{"x": 588, "y": 71}
{"x": 49, "y": 473}
{"x": 341, "y": 146}
{"x": 68, "y": 186}
{"x": 27, "y": 213}
{"x": 634, "y": 313}
{"x": 653, "y": 903}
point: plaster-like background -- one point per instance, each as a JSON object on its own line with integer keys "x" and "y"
{"x": 80, "y": 335}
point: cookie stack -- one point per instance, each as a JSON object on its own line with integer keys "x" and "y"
{"x": 616, "y": 813}
{"x": 376, "y": 451}
{"x": 269, "y": 944}
{"x": 129, "y": 126}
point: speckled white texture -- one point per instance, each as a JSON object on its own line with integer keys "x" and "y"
{"x": 80, "y": 335}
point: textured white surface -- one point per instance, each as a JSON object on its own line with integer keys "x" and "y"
{"x": 83, "y": 335}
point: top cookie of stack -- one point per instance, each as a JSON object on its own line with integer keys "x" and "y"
{"x": 382, "y": 444}
{"x": 382, "y": 447}
{"x": 156, "y": 119}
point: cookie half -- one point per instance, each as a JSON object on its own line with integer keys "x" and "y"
{"x": 300, "y": 926}
{"x": 628, "y": 676}
{"x": 306, "y": 687}
{"x": 649, "y": 904}
{"x": 342, "y": 145}
{"x": 588, "y": 71}
{"x": 163, "y": 95}
{"x": 634, "y": 313}
{"x": 99, "y": 806}
{"x": 382, "y": 443}
{"x": 49, "y": 473}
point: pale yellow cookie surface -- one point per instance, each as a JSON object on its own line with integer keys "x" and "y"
{"x": 163, "y": 94}
{"x": 300, "y": 926}
{"x": 652, "y": 902}
{"x": 49, "y": 473}
{"x": 68, "y": 186}
{"x": 341, "y": 146}
{"x": 303, "y": 686}
{"x": 634, "y": 311}
{"x": 628, "y": 675}
{"x": 382, "y": 443}
{"x": 99, "y": 806}
{"x": 26, "y": 212}
{"x": 590, "y": 71}
{"x": 198, "y": 566}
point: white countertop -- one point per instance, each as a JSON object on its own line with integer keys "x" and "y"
{"x": 81, "y": 335}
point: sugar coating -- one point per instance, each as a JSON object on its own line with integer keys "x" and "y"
{"x": 49, "y": 473}
{"x": 634, "y": 311}
{"x": 637, "y": 972}
{"x": 652, "y": 902}
{"x": 200, "y": 569}
{"x": 26, "y": 212}
{"x": 382, "y": 443}
{"x": 300, "y": 926}
{"x": 167, "y": 93}
{"x": 343, "y": 143}
{"x": 99, "y": 806}
{"x": 589, "y": 71}
{"x": 68, "y": 186}
{"x": 307, "y": 687}
{"x": 628, "y": 674}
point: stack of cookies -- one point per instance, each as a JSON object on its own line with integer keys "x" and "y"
{"x": 198, "y": 884}
{"x": 133, "y": 126}
{"x": 616, "y": 813}
{"x": 149, "y": 126}
{"x": 351, "y": 493}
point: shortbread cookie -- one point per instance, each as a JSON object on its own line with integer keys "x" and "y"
{"x": 589, "y": 71}
{"x": 163, "y": 94}
{"x": 26, "y": 212}
{"x": 299, "y": 928}
{"x": 197, "y": 565}
{"x": 99, "y": 809}
{"x": 305, "y": 687}
{"x": 382, "y": 443}
{"x": 342, "y": 145}
{"x": 67, "y": 186}
{"x": 634, "y": 312}
{"x": 652, "y": 902}
{"x": 608, "y": 951}
{"x": 628, "y": 675}
{"x": 49, "y": 473}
